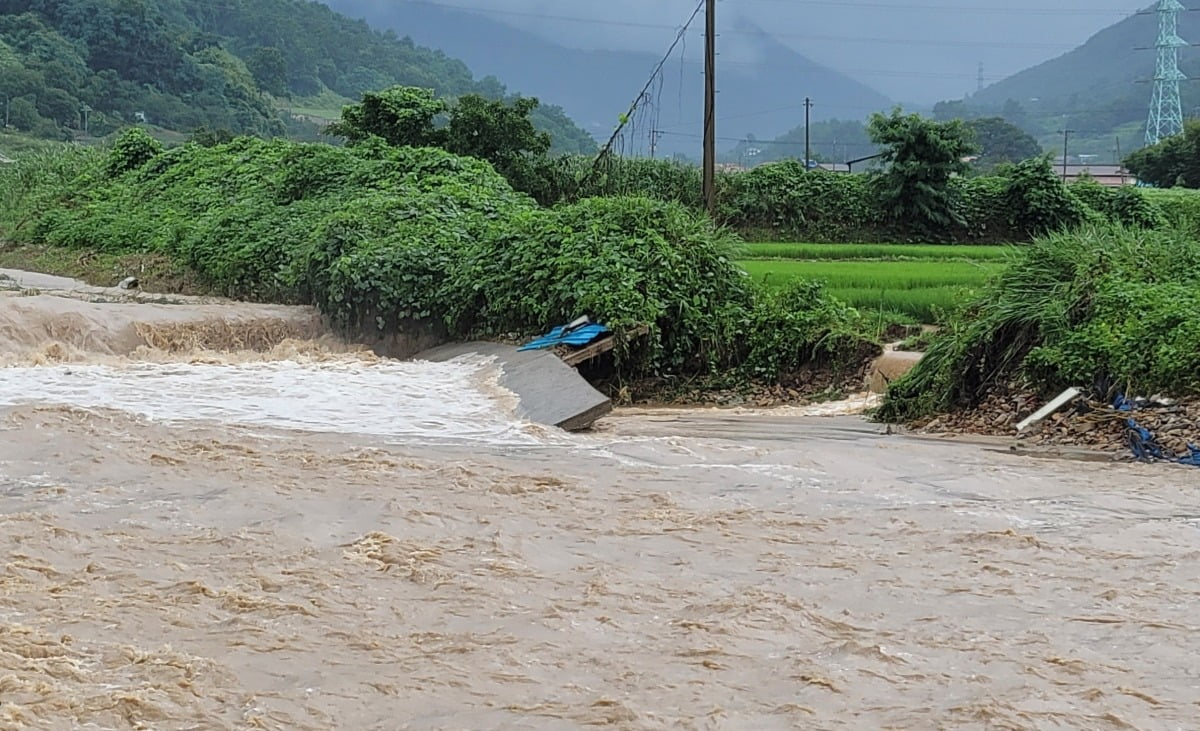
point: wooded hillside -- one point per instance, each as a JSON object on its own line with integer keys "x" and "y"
{"x": 67, "y": 65}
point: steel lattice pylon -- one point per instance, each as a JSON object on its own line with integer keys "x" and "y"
{"x": 1166, "y": 107}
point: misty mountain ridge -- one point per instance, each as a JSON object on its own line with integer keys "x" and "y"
{"x": 1100, "y": 90}
{"x": 762, "y": 95}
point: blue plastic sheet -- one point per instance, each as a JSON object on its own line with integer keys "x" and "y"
{"x": 577, "y": 338}
{"x": 1142, "y": 441}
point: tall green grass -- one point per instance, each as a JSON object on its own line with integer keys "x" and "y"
{"x": 831, "y": 252}
{"x": 1106, "y": 309}
{"x": 34, "y": 174}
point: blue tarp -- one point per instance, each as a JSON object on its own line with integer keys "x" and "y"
{"x": 1144, "y": 445}
{"x": 576, "y": 338}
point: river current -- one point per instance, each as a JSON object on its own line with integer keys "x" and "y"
{"x": 300, "y": 536}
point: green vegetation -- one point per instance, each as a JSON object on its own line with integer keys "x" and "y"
{"x": 1174, "y": 162}
{"x": 502, "y": 134}
{"x": 872, "y": 274}
{"x": 1001, "y": 142}
{"x": 70, "y": 66}
{"x": 1104, "y": 308}
{"x": 886, "y": 252}
{"x": 384, "y": 238}
{"x": 784, "y": 202}
{"x": 919, "y": 289}
{"x": 920, "y": 157}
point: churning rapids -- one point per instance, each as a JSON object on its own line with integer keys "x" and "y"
{"x": 211, "y": 519}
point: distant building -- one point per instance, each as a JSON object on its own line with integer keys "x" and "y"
{"x": 1111, "y": 176}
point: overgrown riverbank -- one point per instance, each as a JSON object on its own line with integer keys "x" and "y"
{"x": 383, "y": 239}
{"x": 1112, "y": 311}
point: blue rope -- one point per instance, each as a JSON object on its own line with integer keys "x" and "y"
{"x": 1142, "y": 442}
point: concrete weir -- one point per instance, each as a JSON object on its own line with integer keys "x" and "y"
{"x": 37, "y": 310}
{"x": 549, "y": 391}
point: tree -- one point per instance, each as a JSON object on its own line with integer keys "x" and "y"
{"x": 1001, "y": 142}
{"x": 1174, "y": 162}
{"x": 946, "y": 111}
{"x": 269, "y": 69}
{"x": 1015, "y": 113}
{"x": 492, "y": 130}
{"x": 401, "y": 115}
{"x": 921, "y": 156}
{"x": 500, "y": 133}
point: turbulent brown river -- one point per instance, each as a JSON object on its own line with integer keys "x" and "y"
{"x": 197, "y": 536}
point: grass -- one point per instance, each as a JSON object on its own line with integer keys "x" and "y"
{"x": 15, "y": 145}
{"x": 919, "y": 289}
{"x": 872, "y": 275}
{"x": 875, "y": 251}
{"x": 155, "y": 272}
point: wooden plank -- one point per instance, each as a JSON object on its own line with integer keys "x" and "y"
{"x": 600, "y": 347}
{"x": 584, "y": 354}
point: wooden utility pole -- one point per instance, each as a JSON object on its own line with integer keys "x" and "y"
{"x": 807, "y": 138}
{"x": 1066, "y": 142}
{"x": 710, "y": 105}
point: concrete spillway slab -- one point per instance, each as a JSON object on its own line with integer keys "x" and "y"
{"x": 549, "y": 391}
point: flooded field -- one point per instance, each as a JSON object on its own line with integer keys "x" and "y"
{"x": 308, "y": 538}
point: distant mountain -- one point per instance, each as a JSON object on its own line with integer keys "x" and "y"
{"x": 1101, "y": 89}
{"x": 595, "y": 87}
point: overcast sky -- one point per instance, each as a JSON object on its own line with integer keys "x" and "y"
{"x": 916, "y": 51}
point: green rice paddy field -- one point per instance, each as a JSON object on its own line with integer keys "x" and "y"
{"x": 916, "y": 280}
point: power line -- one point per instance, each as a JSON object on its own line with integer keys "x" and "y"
{"x": 641, "y": 95}
{"x": 947, "y": 8}
{"x": 796, "y": 36}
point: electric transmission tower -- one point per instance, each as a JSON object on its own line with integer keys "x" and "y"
{"x": 1166, "y": 109}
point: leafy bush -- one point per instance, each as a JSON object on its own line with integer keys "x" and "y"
{"x": 1104, "y": 307}
{"x": 628, "y": 261}
{"x": 1038, "y": 202}
{"x": 1180, "y": 207}
{"x": 922, "y": 156}
{"x": 982, "y": 208}
{"x": 792, "y": 202}
{"x": 1126, "y": 205}
{"x": 132, "y": 149}
{"x": 799, "y": 325}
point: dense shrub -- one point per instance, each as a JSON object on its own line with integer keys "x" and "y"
{"x": 1038, "y": 202}
{"x": 1103, "y": 308}
{"x": 132, "y": 149}
{"x": 1179, "y": 206}
{"x": 627, "y": 260}
{"x": 1126, "y": 205}
{"x": 570, "y": 179}
{"x": 790, "y": 202}
{"x": 982, "y": 208}
{"x": 800, "y": 324}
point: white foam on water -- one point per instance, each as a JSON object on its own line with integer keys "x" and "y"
{"x": 415, "y": 401}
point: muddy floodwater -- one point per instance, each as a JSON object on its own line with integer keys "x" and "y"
{"x": 309, "y": 539}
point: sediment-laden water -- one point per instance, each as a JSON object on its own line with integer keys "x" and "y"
{"x": 298, "y": 535}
